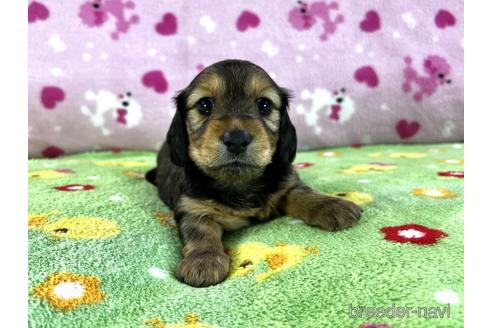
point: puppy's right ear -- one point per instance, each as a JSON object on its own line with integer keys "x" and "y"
{"x": 177, "y": 137}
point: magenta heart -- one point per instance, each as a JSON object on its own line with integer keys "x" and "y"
{"x": 444, "y": 18}
{"x": 246, "y": 20}
{"x": 155, "y": 80}
{"x": 37, "y": 10}
{"x": 407, "y": 129}
{"x": 168, "y": 25}
{"x": 51, "y": 95}
{"x": 367, "y": 75}
{"x": 371, "y": 22}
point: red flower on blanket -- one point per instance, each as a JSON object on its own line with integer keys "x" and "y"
{"x": 75, "y": 187}
{"x": 456, "y": 174}
{"x": 374, "y": 325}
{"x": 302, "y": 165}
{"x": 64, "y": 170}
{"x": 413, "y": 233}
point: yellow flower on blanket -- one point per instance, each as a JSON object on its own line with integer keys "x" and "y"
{"x": 122, "y": 163}
{"x": 44, "y": 174}
{"x": 67, "y": 291}
{"x": 191, "y": 321}
{"x": 82, "y": 227}
{"x": 434, "y": 192}
{"x": 246, "y": 257}
{"x": 134, "y": 174}
{"x": 398, "y": 155}
{"x": 330, "y": 153}
{"x": 364, "y": 168}
{"x": 357, "y": 197}
{"x": 452, "y": 161}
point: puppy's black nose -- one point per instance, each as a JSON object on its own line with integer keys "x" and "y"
{"x": 236, "y": 141}
{"x": 339, "y": 100}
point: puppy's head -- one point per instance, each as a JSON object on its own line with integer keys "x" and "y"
{"x": 232, "y": 122}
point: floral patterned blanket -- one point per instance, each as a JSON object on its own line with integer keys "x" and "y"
{"x": 103, "y": 247}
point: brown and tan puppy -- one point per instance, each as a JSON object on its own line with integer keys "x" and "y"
{"x": 226, "y": 164}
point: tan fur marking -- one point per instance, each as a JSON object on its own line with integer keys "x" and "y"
{"x": 273, "y": 120}
{"x": 259, "y": 86}
{"x": 317, "y": 209}
{"x": 209, "y": 85}
{"x": 194, "y": 121}
{"x": 232, "y": 219}
{"x": 212, "y": 236}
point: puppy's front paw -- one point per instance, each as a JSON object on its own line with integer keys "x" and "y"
{"x": 337, "y": 214}
{"x": 203, "y": 268}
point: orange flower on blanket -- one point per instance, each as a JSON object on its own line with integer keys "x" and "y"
{"x": 191, "y": 321}
{"x": 246, "y": 257}
{"x": 166, "y": 218}
{"x": 67, "y": 291}
{"x": 434, "y": 193}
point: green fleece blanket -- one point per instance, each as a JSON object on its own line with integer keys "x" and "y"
{"x": 103, "y": 248}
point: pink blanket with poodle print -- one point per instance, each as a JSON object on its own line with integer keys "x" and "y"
{"x": 102, "y": 73}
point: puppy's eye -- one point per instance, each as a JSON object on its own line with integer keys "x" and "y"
{"x": 264, "y": 105}
{"x": 205, "y": 106}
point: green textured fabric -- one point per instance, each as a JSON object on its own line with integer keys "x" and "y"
{"x": 105, "y": 257}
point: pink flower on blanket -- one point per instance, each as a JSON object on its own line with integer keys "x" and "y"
{"x": 304, "y": 16}
{"x": 437, "y": 71}
{"x": 97, "y": 12}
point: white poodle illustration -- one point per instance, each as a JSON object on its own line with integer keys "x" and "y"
{"x": 333, "y": 106}
{"x": 123, "y": 109}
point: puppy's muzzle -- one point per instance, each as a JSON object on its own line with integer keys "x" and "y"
{"x": 237, "y": 141}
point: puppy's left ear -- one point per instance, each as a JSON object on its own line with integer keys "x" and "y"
{"x": 287, "y": 142}
{"x": 177, "y": 137}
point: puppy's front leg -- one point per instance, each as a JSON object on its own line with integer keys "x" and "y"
{"x": 204, "y": 261}
{"x": 317, "y": 209}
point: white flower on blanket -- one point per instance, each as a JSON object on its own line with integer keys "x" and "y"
{"x": 122, "y": 108}
{"x": 334, "y": 106}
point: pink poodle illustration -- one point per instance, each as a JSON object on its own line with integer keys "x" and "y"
{"x": 303, "y": 17}
{"x": 97, "y": 12}
{"x": 437, "y": 71}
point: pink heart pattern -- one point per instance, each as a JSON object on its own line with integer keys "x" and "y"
{"x": 51, "y": 95}
{"x": 444, "y": 18}
{"x": 37, "y": 11}
{"x": 246, "y": 20}
{"x": 168, "y": 25}
{"x": 367, "y": 75}
{"x": 407, "y": 129}
{"x": 371, "y": 22}
{"x": 155, "y": 80}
